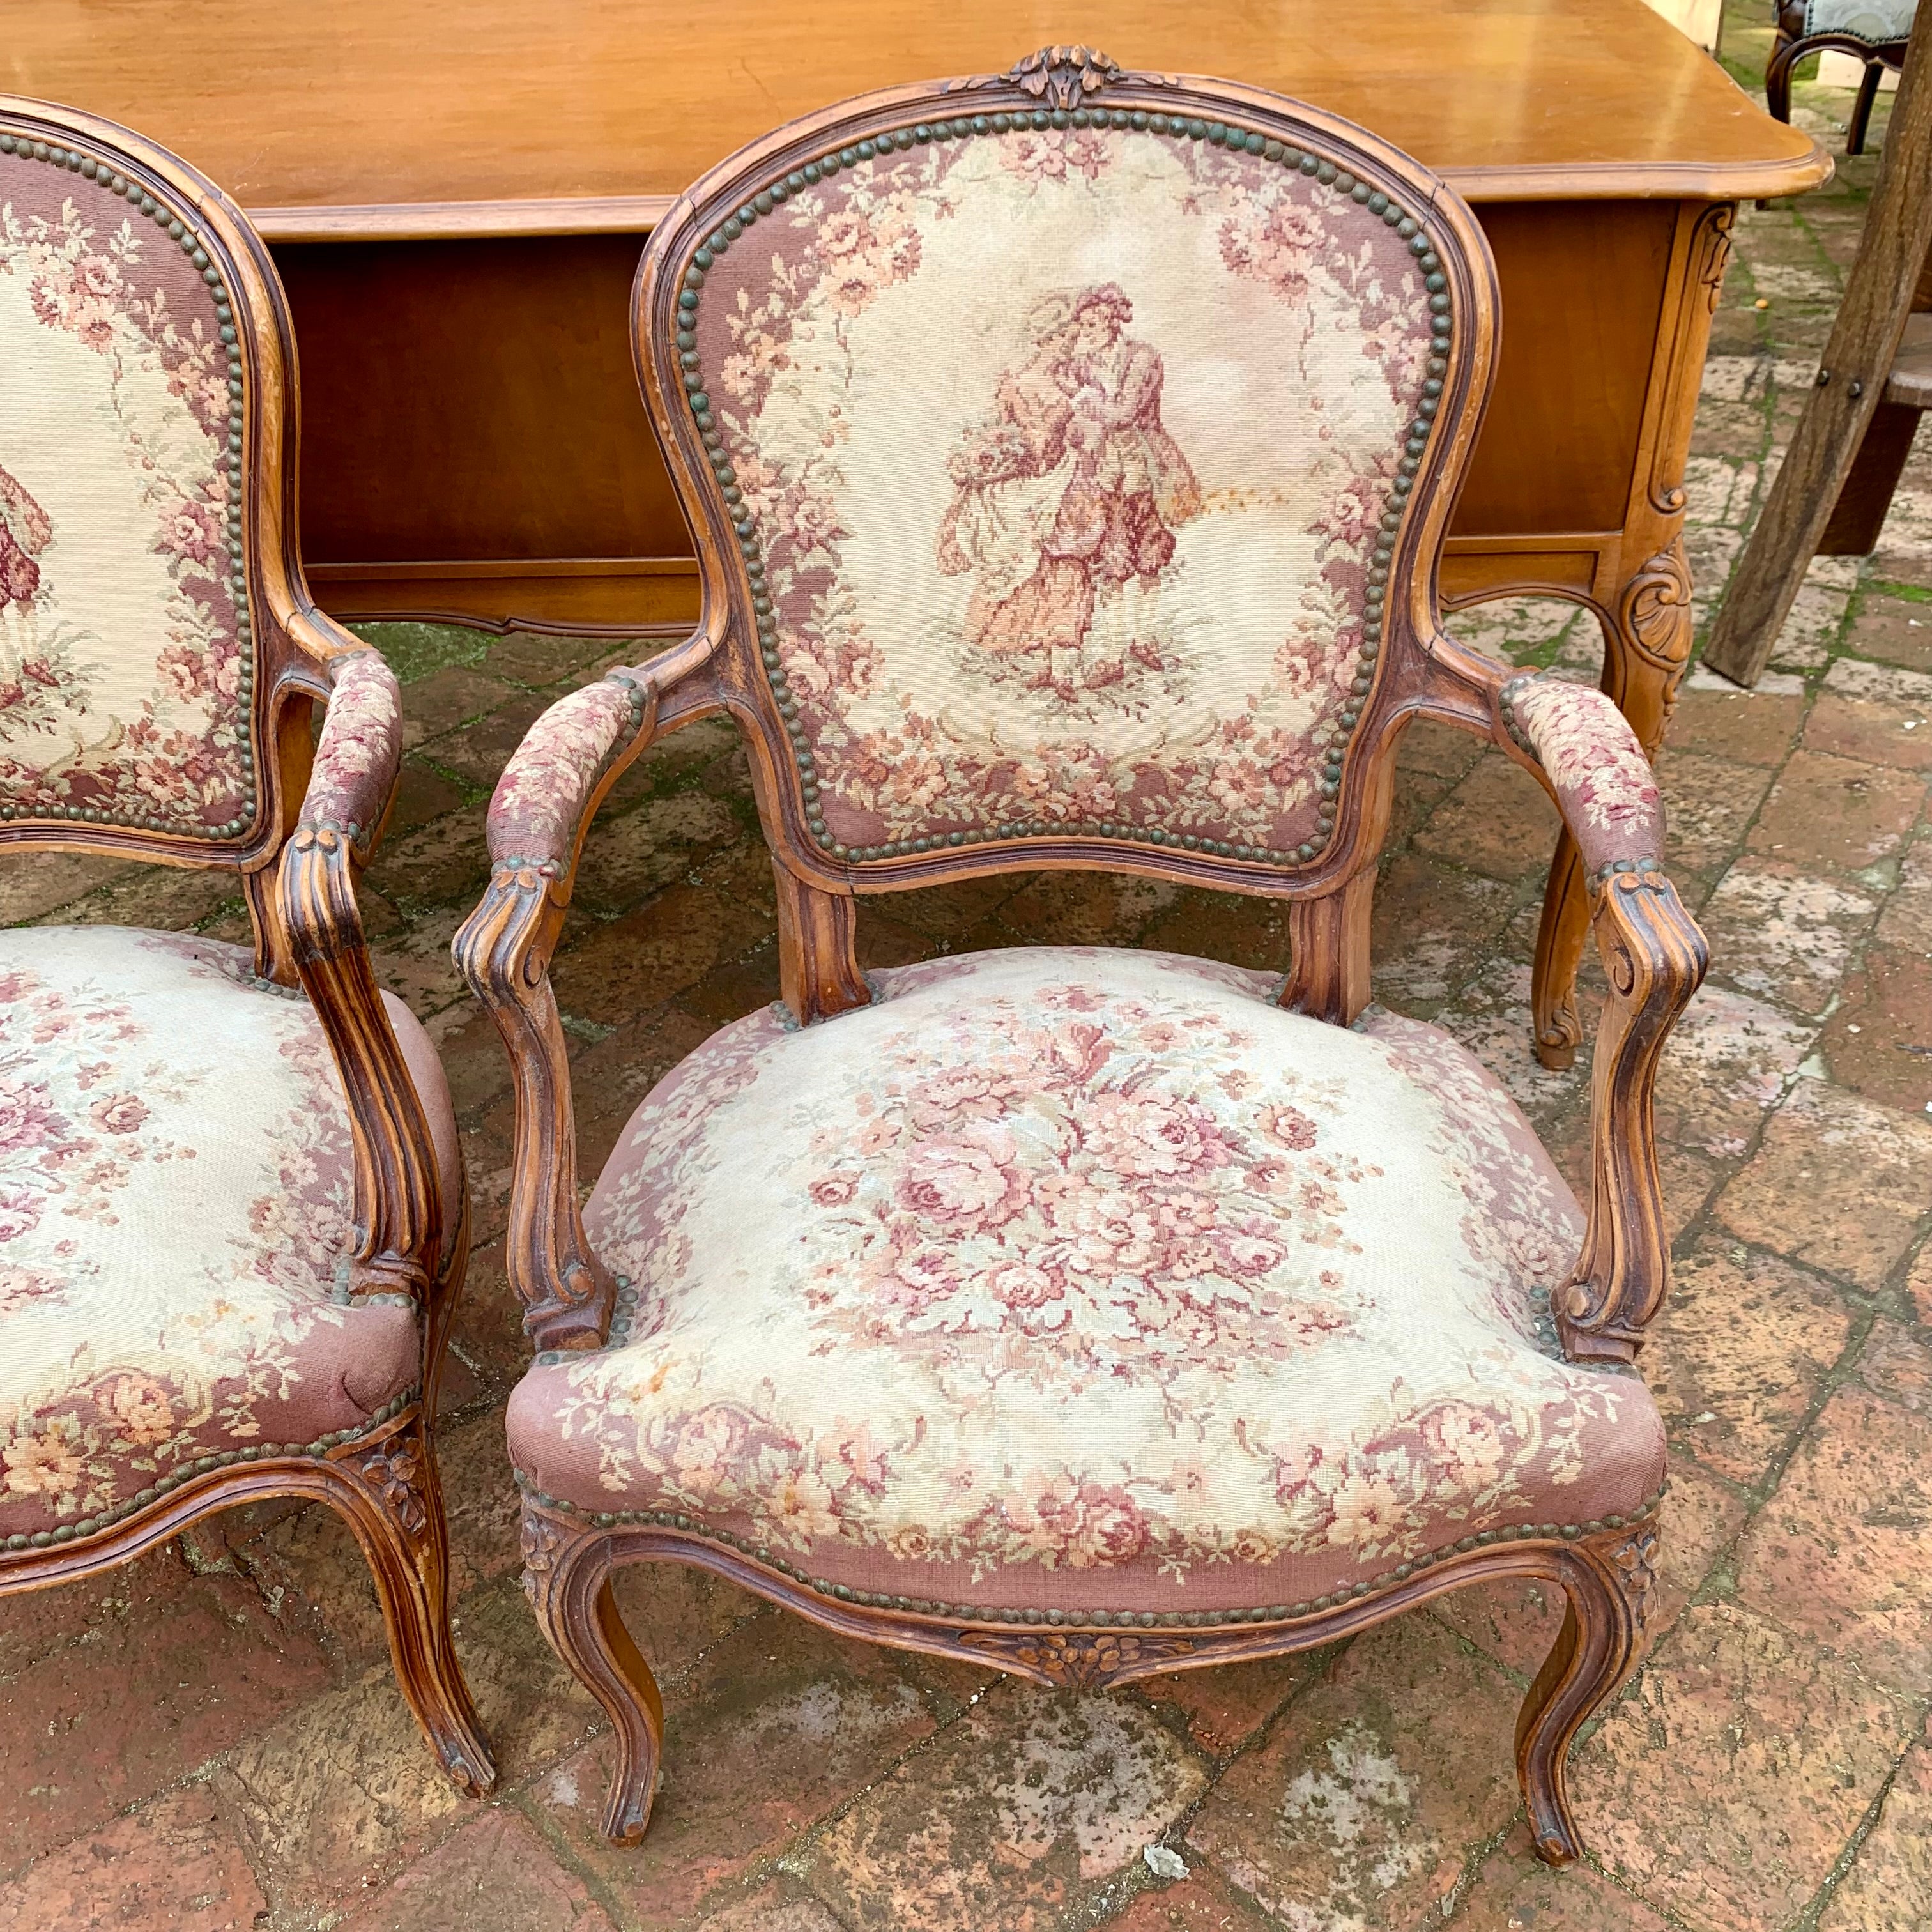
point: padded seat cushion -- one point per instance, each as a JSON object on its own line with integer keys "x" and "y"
{"x": 1075, "y": 1279}
{"x": 176, "y": 1214}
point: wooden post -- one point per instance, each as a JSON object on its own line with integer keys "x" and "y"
{"x": 1851, "y": 380}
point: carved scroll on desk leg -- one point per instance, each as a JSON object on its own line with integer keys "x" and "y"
{"x": 1606, "y": 1585}
{"x": 1655, "y": 959}
{"x": 1644, "y": 652}
{"x": 503, "y": 949}
{"x": 397, "y": 1213}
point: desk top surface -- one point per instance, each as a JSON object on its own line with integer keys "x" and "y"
{"x": 345, "y": 119}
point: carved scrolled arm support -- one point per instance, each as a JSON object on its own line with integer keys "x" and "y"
{"x": 1579, "y": 745}
{"x": 1654, "y": 957}
{"x": 543, "y": 802}
{"x": 398, "y": 1207}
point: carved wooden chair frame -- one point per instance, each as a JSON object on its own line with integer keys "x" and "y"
{"x": 1653, "y": 951}
{"x": 309, "y": 827}
{"x": 1790, "y": 44}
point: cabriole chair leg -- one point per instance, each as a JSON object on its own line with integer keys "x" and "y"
{"x": 1607, "y": 1589}
{"x": 567, "y": 1578}
{"x": 392, "y": 1495}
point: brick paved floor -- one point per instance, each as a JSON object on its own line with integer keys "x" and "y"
{"x": 213, "y": 1738}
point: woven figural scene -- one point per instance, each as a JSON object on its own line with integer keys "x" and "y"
{"x": 233, "y": 1219}
{"x": 1069, "y": 454}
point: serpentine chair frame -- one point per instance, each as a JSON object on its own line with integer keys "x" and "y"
{"x": 297, "y": 853}
{"x": 1653, "y": 951}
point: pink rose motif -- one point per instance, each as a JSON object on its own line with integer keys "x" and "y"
{"x": 1107, "y": 1232}
{"x": 95, "y": 325}
{"x": 1281, "y": 251}
{"x": 141, "y": 1410}
{"x": 1055, "y": 156}
{"x": 98, "y": 276}
{"x": 1102, "y": 1525}
{"x": 1368, "y": 1511}
{"x": 1020, "y": 1285}
{"x": 27, "y": 1116}
{"x": 922, "y": 1278}
{"x": 119, "y": 1113}
{"x": 803, "y": 1506}
{"x": 834, "y": 1190}
{"x": 1351, "y": 514}
{"x": 1148, "y": 1137}
{"x": 982, "y": 1092}
{"x": 19, "y": 1211}
{"x": 1288, "y": 1126}
{"x": 1466, "y": 1444}
{"x": 969, "y": 1180}
{"x": 193, "y": 532}
{"x": 1252, "y": 1254}
{"x": 707, "y": 1446}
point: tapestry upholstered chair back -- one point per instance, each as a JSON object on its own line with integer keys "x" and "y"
{"x": 232, "y": 1220}
{"x": 1067, "y": 451}
{"x": 128, "y": 665}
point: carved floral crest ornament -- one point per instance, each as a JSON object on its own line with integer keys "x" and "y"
{"x": 1070, "y": 453}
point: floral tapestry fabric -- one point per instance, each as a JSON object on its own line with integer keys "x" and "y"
{"x": 1597, "y": 770}
{"x": 176, "y": 1213}
{"x": 120, "y": 656}
{"x": 1066, "y": 451}
{"x": 540, "y": 798}
{"x": 1073, "y": 1279}
{"x": 361, "y": 746}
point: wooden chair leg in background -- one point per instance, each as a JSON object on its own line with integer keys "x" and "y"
{"x": 1862, "y": 108}
{"x": 1852, "y": 381}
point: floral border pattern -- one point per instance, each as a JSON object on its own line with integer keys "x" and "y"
{"x": 153, "y": 303}
{"x": 867, "y": 239}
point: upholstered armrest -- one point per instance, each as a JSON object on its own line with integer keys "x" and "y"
{"x": 1588, "y": 756}
{"x": 543, "y": 805}
{"x": 398, "y": 1209}
{"x": 1654, "y": 957}
{"x": 542, "y": 801}
{"x": 360, "y": 752}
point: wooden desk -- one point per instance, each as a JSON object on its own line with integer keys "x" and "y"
{"x": 456, "y": 195}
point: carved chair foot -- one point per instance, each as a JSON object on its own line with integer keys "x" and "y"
{"x": 393, "y": 1499}
{"x": 1607, "y": 1587}
{"x": 1556, "y": 1045}
{"x": 567, "y": 1577}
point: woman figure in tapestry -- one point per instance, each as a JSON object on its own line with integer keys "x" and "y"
{"x": 25, "y": 532}
{"x": 1065, "y": 503}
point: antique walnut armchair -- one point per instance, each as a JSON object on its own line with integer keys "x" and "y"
{"x": 1069, "y": 454}
{"x": 233, "y": 1218}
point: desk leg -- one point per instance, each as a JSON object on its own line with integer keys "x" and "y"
{"x": 1646, "y": 646}
{"x": 1645, "y": 610}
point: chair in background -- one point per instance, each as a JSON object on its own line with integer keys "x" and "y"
{"x": 233, "y": 1218}
{"x": 1070, "y": 453}
{"x": 1874, "y": 30}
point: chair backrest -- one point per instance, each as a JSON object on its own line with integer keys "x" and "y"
{"x": 1070, "y": 453}
{"x": 146, "y": 555}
